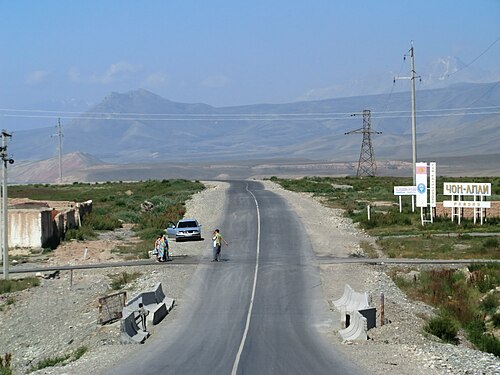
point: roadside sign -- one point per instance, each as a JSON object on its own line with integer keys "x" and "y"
{"x": 421, "y": 184}
{"x": 467, "y": 204}
{"x": 432, "y": 185}
{"x": 467, "y": 188}
{"x": 405, "y": 190}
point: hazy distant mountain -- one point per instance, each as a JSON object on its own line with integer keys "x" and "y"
{"x": 140, "y": 126}
{"x": 444, "y": 70}
{"x": 74, "y": 166}
{"x": 440, "y": 73}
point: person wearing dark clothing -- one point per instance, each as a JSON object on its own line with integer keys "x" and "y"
{"x": 143, "y": 312}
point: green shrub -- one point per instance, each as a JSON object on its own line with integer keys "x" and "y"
{"x": 489, "y": 303}
{"x": 125, "y": 216}
{"x": 50, "y": 361}
{"x": 79, "y": 352}
{"x": 14, "y": 285}
{"x": 118, "y": 281}
{"x": 495, "y": 319}
{"x": 80, "y": 234}
{"x": 476, "y": 333}
{"x": 139, "y": 250}
{"x": 444, "y": 327}
{"x": 489, "y": 344}
{"x": 491, "y": 243}
{"x": 5, "y": 364}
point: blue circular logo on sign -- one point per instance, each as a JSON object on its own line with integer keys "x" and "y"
{"x": 421, "y": 188}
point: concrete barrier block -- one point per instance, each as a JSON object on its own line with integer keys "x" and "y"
{"x": 357, "y": 329}
{"x": 149, "y": 298}
{"x": 156, "y": 316}
{"x": 345, "y": 297}
{"x": 154, "y": 301}
{"x": 169, "y": 302}
{"x": 158, "y": 290}
{"x": 130, "y": 331}
{"x": 352, "y": 300}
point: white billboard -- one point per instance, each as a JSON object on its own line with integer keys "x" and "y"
{"x": 421, "y": 184}
{"x": 432, "y": 184}
{"x": 467, "y": 188}
{"x": 405, "y": 190}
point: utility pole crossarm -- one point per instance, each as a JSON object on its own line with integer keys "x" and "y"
{"x": 360, "y": 130}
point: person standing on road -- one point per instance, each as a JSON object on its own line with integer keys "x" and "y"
{"x": 161, "y": 249}
{"x": 156, "y": 250}
{"x": 166, "y": 253}
{"x": 143, "y": 312}
{"x": 217, "y": 244}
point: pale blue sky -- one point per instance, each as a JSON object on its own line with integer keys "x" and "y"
{"x": 225, "y": 52}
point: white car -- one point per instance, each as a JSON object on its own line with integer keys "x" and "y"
{"x": 185, "y": 229}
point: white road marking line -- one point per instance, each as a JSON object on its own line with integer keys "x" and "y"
{"x": 249, "y": 314}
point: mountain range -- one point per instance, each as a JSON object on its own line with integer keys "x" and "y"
{"x": 140, "y": 127}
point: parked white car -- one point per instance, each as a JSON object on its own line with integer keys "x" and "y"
{"x": 185, "y": 229}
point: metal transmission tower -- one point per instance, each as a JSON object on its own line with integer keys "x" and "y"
{"x": 366, "y": 164}
{"x": 59, "y": 135}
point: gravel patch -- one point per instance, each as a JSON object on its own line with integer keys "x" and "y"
{"x": 56, "y": 318}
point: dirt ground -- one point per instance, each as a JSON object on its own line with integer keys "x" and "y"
{"x": 68, "y": 309}
{"x": 76, "y": 252}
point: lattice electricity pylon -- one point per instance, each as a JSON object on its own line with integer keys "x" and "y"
{"x": 366, "y": 164}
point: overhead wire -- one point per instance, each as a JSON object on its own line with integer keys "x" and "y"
{"x": 392, "y": 90}
{"x": 317, "y": 118}
{"x": 474, "y": 60}
{"x": 9, "y": 112}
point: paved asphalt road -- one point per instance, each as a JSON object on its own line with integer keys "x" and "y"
{"x": 258, "y": 311}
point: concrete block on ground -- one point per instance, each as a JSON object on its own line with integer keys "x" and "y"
{"x": 371, "y": 317}
{"x": 156, "y": 316}
{"x": 154, "y": 301}
{"x": 130, "y": 331}
{"x": 343, "y": 299}
{"x": 357, "y": 329}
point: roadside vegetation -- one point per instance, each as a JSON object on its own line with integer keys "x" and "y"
{"x": 148, "y": 205}
{"x": 467, "y": 300}
{"x": 8, "y": 287}
{"x": 6, "y": 365}
{"x": 59, "y": 360}
{"x": 354, "y": 195}
{"x": 118, "y": 281}
{"x": 15, "y": 285}
{"x": 401, "y": 234}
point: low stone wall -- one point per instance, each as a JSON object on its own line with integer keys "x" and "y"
{"x": 38, "y": 226}
{"x": 30, "y": 228}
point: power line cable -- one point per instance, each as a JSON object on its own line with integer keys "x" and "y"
{"x": 477, "y": 58}
{"x": 208, "y": 116}
{"x": 392, "y": 90}
{"x": 247, "y": 118}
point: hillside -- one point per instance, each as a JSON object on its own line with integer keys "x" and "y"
{"x": 140, "y": 127}
{"x": 79, "y": 167}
